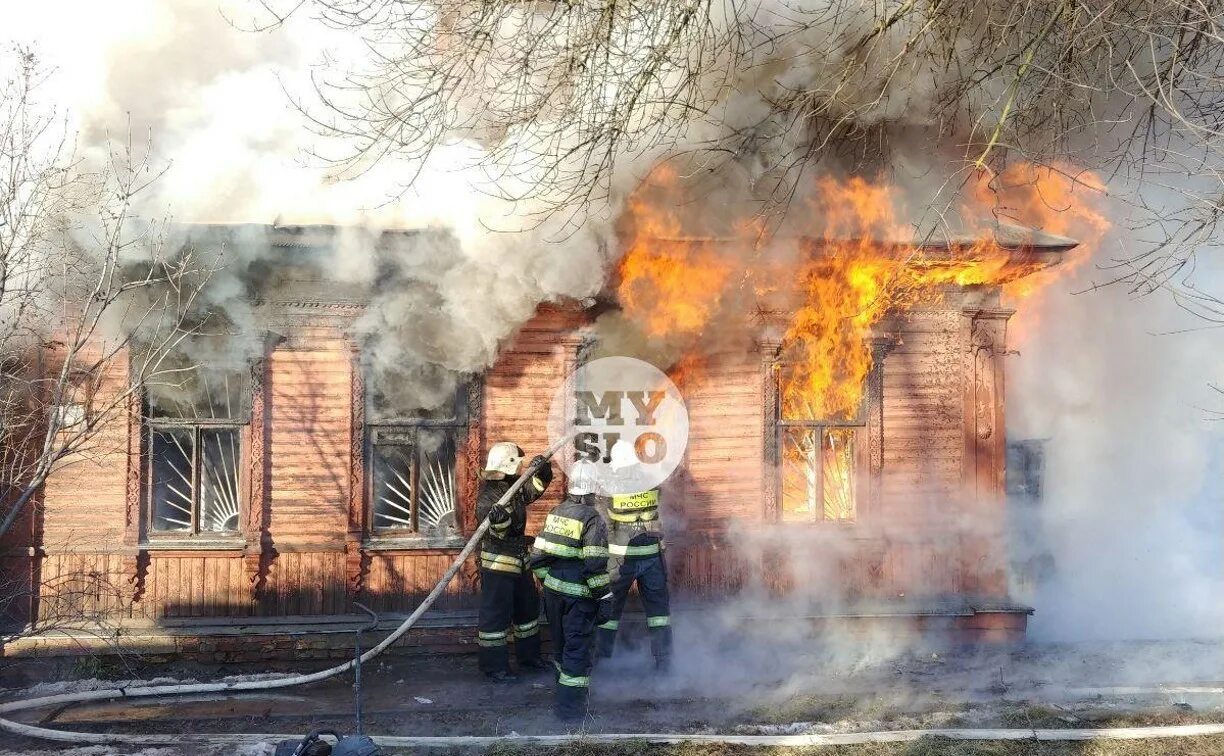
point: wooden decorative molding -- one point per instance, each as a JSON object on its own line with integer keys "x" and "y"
{"x": 135, "y": 562}
{"x": 135, "y": 459}
{"x": 985, "y": 432}
{"x": 355, "y": 308}
{"x": 770, "y": 351}
{"x": 881, "y": 346}
{"x": 354, "y": 562}
{"x": 258, "y": 494}
{"x": 468, "y": 459}
{"x": 983, "y": 571}
{"x": 357, "y": 399}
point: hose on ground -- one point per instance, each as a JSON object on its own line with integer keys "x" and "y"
{"x": 245, "y": 685}
{"x": 471, "y": 741}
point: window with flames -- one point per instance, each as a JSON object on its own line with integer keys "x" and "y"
{"x": 412, "y": 460}
{"x": 820, "y": 461}
{"x": 194, "y": 443}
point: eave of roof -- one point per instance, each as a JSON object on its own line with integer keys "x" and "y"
{"x": 1029, "y": 249}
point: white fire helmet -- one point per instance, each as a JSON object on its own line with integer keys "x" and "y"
{"x": 583, "y": 478}
{"x": 623, "y": 456}
{"x": 504, "y": 459}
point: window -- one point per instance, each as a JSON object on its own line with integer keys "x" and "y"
{"x": 194, "y": 445}
{"x": 412, "y": 458}
{"x": 820, "y": 462}
{"x": 75, "y": 398}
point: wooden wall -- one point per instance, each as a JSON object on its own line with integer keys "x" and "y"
{"x": 303, "y": 552}
{"x": 931, "y": 528}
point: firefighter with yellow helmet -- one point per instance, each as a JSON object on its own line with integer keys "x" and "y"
{"x": 509, "y": 601}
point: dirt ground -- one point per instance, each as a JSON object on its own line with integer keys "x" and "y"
{"x": 797, "y": 692}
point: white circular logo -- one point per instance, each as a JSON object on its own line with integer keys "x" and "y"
{"x": 626, "y": 417}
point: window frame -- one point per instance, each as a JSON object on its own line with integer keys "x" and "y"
{"x": 458, "y": 427}
{"x": 867, "y": 425}
{"x": 859, "y": 426}
{"x": 241, "y": 424}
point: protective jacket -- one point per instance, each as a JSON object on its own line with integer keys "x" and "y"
{"x": 634, "y": 530}
{"x": 636, "y": 545}
{"x": 509, "y": 602}
{"x": 504, "y": 547}
{"x": 570, "y": 556}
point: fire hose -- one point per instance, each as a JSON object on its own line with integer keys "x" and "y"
{"x": 249, "y": 685}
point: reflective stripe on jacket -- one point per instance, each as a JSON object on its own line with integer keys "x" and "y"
{"x": 634, "y": 529}
{"x": 570, "y": 554}
{"x": 507, "y": 525}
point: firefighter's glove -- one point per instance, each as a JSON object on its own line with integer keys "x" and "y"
{"x": 603, "y": 610}
{"x": 543, "y": 470}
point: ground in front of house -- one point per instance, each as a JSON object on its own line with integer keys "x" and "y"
{"x": 789, "y": 690}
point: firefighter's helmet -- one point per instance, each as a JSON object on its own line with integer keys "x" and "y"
{"x": 583, "y": 478}
{"x": 504, "y": 459}
{"x": 622, "y": 456}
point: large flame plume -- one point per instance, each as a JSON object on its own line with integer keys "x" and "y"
{"x": 858, "y": 263}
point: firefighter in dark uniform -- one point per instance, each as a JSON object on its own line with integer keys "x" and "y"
{"x": 509, "y": 602}
{"x": 635, "y": 542}
{"x": 570, "y": 556}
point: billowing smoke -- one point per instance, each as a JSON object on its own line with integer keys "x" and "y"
{"x": 211, "y": 104}
{"x": 1120, "y": 388}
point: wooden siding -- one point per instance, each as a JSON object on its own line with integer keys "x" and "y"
{"x": 929, "y": 534}
{"x": 520, "y": 387}
{"x": 720, "y": 482}
{"x": 84, "y": 504}
{"x": 935, "y": 531}
{"x": 311, "y": 413}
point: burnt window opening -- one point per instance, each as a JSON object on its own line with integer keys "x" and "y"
{"x": 413, "y": 455}
{"x": 821, "y": 461}
{"x": 194, "y": 443}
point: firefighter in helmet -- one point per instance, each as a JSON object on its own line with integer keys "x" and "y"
{"x": 570, "y": 556}
{"x": 509, "y": 602}
{"x": 635, "y": 542}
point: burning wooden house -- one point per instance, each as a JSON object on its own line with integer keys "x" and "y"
{"x": 271, "y": 497}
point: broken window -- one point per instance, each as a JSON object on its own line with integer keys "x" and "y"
{"x": 194, "y": 452}
{"x": 412, "y": 458}
{"x": 820, "y": 462}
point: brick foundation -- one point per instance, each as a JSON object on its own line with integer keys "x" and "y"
{"x": 310, "y": 638}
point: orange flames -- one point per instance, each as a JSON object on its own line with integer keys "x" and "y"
{"x": 669, "y": 284}
{"x": 859, "y": 264}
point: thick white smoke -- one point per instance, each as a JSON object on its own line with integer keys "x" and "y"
{"x": 1133, "y": 510}
{"x": 214, "y": 102}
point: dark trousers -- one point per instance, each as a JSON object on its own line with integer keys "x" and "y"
{"x": 571, "y": 622}
{"x": 509, "y": 605}
{"x": 650, "y": 574}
